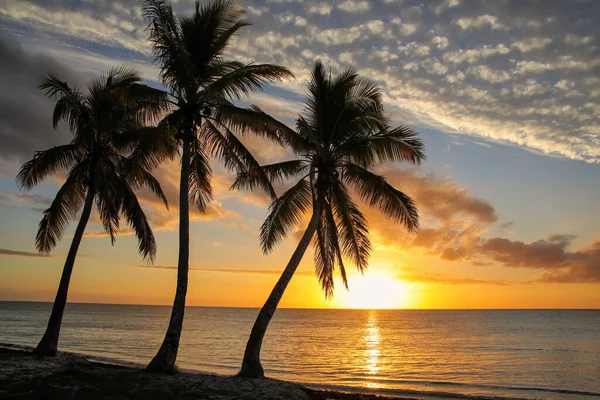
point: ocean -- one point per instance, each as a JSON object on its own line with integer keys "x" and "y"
{"x": 540, "y": 354}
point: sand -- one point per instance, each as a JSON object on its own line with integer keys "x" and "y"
{"x": 69, "y": 376}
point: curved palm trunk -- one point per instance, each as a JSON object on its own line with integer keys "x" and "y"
{"x": 49, "y": 343}
{"x": 164, "y": 360}
{"x": 251, "y": 366}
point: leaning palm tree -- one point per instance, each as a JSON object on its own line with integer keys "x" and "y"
{"x": 108, "y": 123}
{"x": 190, "y": 51}
{"x": 342, "y": 134}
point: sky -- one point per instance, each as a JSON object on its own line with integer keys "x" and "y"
{"x": 505, "y": 95}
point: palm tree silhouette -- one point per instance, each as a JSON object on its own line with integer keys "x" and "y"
{"x": 108, "y": 123}
{"x": 342, "y": 134}
{"x": 190, "y": 51}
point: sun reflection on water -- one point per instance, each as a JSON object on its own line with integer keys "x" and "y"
{"x": 372, "y": 340}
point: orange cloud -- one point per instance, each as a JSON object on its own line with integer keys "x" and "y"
{"x": 228, "y": 270}
{"x": 442, "y": 279}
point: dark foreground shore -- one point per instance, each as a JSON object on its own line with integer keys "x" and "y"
{"x": 23, "y": 376}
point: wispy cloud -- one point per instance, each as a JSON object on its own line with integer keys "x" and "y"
{"x": 7, "y": 252}
{"x": 228, "y": 270}
{"x": 529, "y": 77}
{"x": 448, "y": 280}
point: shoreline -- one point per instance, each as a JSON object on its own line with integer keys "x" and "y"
{"x": 71, "y": 375}
{"x": 91, "y": 364}
{"x": 25, "y": 376}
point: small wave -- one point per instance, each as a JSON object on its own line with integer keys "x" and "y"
{"x": 421, "y": 394}
{"x": 468, "y": 387}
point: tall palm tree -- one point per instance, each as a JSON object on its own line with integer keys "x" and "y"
{"x": 190, "y": 51}
{"x": 342, "y": 134}
{"x": 102, "y": 160}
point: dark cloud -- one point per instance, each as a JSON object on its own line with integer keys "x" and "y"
{"x": 6, "y": 252}
{"x": 25, "y": 114}
{"x": 547, "y": 253}
{"x": 552, "y": 255}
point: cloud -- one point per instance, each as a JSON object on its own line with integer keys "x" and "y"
{"x": 447, "y": 280}
{"x": 102, "y": 233}
{"x": 7, "y": 252}
{"x": 499, "y": 85}
{"x": 25, "y": 119}
{"x": 353, "y": 6}
{"x": 479, "y": 22}
{"x": 454, "y": 226}
{"x": 322, "y": 9}
{"x": 228, "y": 270}
{"x": 552, "y": 255}
{"x": 33, "y": 201}
{"x": 452, "y": 219}
{"x": 440, "y": 198}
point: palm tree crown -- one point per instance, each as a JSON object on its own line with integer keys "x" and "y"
{"x": 108, "y": 123}
{"x": 341, "y": 135}
{"x": 203, "y": 83}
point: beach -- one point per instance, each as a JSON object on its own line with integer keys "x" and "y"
{"x": 71, "y": 376}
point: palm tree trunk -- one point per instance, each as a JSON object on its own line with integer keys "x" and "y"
{"x": 49, "y": 343}
{"x": 251, "y": 366}
{"x": 164, "y": 360}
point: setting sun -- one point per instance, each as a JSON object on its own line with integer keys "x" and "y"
{"x": 375, "y": 290}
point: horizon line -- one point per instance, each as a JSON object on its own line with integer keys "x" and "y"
{"x": 313, "y": 308}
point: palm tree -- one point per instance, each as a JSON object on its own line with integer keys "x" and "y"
{"x": 342, "y": 134}
{"x": 109, "y": 134}
{"x": 190, "y": 51}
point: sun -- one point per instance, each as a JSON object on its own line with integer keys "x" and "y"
{"x": 375, "y": 290}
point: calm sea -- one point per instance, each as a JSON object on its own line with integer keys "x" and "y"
{"x": 518, "y": 354}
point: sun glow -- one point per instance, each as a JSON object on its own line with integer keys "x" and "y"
{"x": 375, "y": 290}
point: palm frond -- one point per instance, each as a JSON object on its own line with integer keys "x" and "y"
{"x": 133, "y": 212}
{"x": 69, "y": 105}
{"x": 243, "y": 81}
{"x": 147, "y": 146}
{"x": 236, "y": 156}
{"x": 177, "y": 67}
{"x": 352, "y": 226}
{"x": 254, "y": 120}
{"x": 398, "y": 144}
{"x": 285, "y": 213}
{"x": 115, "y": 78}
{"x": 325, "y": 253}
{"x": 200, "y": 190}
{"x": 206, "y": 33}
{"x": 137, "y": 177}
{"x": 375, "y": 190}
{"x": 64, "y": 207}
{"x": 275, "y": 173}
{"x": 107, "y": 185}
{"x": 46, "y": 163}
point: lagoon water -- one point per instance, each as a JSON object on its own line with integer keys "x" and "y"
{"x": 552, "y": 354}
